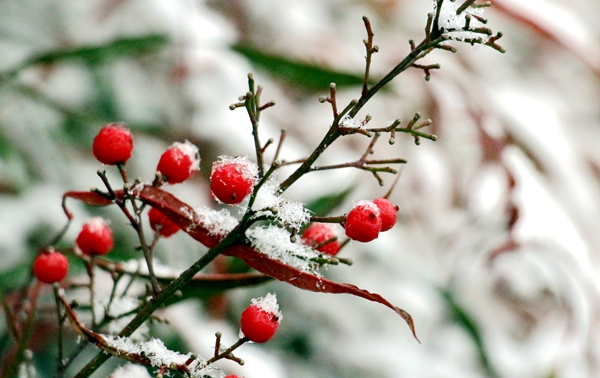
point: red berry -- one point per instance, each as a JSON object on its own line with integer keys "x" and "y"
{"x": 113, "y": 144}
{"x": 95, "y": 237}
{"x": 158, "y": 221}
{"x": 232, "y": 376}
{"x": 363, "y": 222}
{"x": 318, "y": 233}
{"x": 260, "y": 320}
{"x": 387, "y": 212}
{"x": 50, "y": 267}
{"x": 232, "y": 179}
{"x": 179, "y": 162}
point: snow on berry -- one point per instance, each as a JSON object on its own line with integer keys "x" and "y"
{"x": 363, "y": 222}
{"x": 95, "y": 237}
{"x": 387, "y": 212}
{"x": 50, "y": 267}
{"x": 318, "y": 233}
{"x": 232, "y": 179}
{"x": 113, "y": 144}
{"x": 276, "y": 243}
{"x": 260, "y": 320}
{"x": 179, "y": 162}
{"x": 161, "y": 223}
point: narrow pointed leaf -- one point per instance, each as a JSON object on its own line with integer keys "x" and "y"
{"x": 188, "y": 220}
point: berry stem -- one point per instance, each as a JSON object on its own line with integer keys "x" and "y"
{"x": 370, "y": 51}
{"x": 226, "y": 353}
{"x": 355, "y": 106}
{"x": 60, "y": 319}
{"x": 340, "y": 219}
{"x": 89, "y": 266}
{"x": 153, "y": 304}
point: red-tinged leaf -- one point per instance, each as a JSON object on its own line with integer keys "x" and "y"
{"x": 186, "y": 218}
{"x": 90, "y": 198}
{"x": 308, "y": 281}
{"x": 179, "y": 212}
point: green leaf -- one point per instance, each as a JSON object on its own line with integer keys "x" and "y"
{"x": 323, "y": 206}
{"x": 115, "y": 49}
{"x": 15, "y": 277}
{"x": 462, "y": 318}
{"x": 297, "y": 73}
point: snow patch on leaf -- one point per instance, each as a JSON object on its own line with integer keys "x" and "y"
{"x": 216, "y": 222}
{"x": 276, "y": 243}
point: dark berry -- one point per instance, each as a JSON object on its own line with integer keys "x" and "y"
{"x": 318, "y": 233}
{"x": 159, "y": 222}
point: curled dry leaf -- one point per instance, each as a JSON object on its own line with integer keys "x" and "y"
{"x": 186, "y": 218}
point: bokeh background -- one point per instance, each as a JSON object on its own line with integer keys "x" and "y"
{"x": 496, "y": 252}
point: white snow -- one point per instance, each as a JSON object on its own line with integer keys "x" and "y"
{"x": 275, "y": 242}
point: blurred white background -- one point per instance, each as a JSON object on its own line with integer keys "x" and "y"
{"x": 495, "y": 254}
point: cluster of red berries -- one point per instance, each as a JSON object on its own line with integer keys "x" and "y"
{"x": 363, "y": 223}
{"x": 367, "y": 218}
{"x": 232, "y": 180}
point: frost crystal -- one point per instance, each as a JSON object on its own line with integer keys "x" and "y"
{"x": 350, "y": 122}
{"x": 370, "y": 204}
{"x": 453, "y": 24}
{"x": 155, "y": 351}
{"x": 269, "y": 305}
{"x": 275, "y": 242}
{"x": 218, "y": 223}
{"x": 191, "y": 151}
{"x": 292, "y": 214}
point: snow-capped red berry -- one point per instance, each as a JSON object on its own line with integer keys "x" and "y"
{"x": 159, "y": 222}
{"x": 232, "y": 179}
{"x": 260, "y": 320}
{"x": 179, "y": 162}
{"x": 387, "y": 212}
{"x": 50, "y": 267}
{"x": 95, "y": 237}
{"x": 113, "y": 144}
{"x": 363, "y": 222}
{"x": 318, "y": 233}
{"x": 232, "y": 376}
